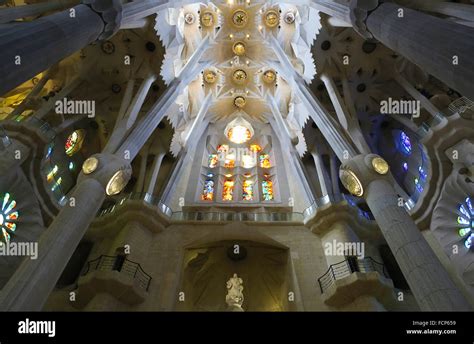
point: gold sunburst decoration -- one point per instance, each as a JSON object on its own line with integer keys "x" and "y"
{"x": 239, "y": 102}
{"x": 207, "y": 19}
{"x": 239, "y": 48}
{"x": 210, "y": 77}
{"x": 269, "y": 77}
{"x": 272, "y": 18}
{"x": 240, "y": 18}
{"x": 239, "y": 76}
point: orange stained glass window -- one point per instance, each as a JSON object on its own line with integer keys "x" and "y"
{"x": 255, "y": 148}
{"x": 228, "y": 192}
{"x": 213, "y": 160}
{"x": 229, "y": 161}
{"x": 265, "y": 161}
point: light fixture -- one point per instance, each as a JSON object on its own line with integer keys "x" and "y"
{"x": 380, "y": 165}
{"x": 351, "y": 182}
{"x": 240, "y": 102}
{"x": 272, "y": 18}
{"x": 207, "y": 19}
{"x": 289, "y": 17}
{"x": 239, "y": 131}
{"x": 189, "y": 18}
{"x": 269, "y": 77}
{"x": 240, "y": 18}
{"x": 210, "y": 77}
{"x": 90, "y": 165}
{"x": 117, "y": 183}
{"x": 239, "y": 76}
{"x": 238, "y": 48}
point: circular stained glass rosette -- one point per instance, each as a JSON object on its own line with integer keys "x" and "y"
{"x": 8, "y": 218}
{"x": 465, "y": 222}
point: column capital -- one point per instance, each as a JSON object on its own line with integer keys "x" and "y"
{"x": 112, "y": 172}
{"x": 111, "y": 12}
{"x": 359, "y": 11}
{"x": 357, "y": 173}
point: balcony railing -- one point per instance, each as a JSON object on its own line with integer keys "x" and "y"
{"x": 122, "y": 265}
{"x": 347, "y": 267}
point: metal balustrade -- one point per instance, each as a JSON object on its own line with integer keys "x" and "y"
{"x": 126, "y": 267}
{"x": 347, "y": 267}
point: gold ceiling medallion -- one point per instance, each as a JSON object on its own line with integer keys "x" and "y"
{"x": 240, "y": 18}
{"x": 90, "y": 165}
{"x": 207, "y": 19}
{"x": 272, "y": 18}
{"x": 210, "y": 77}
{"x": 380, "y": 165}
{"x": 238, "y": 48}
{"x": 239, "y": 102}
{"x": 351, "y": 182}
{"x": 239, "y": 77}
{"x": 269, "y": 77}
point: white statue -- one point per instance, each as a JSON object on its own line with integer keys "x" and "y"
{"x": 235, "y": 297}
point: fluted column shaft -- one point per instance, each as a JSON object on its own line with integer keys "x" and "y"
{"x": 30, "y": 286}
{"x": 428, "y": 280}
{"x": 29, "y": 48}
{"x": 432, "y": 43}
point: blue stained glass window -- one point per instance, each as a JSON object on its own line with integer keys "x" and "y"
{"x": 405, "y": 143}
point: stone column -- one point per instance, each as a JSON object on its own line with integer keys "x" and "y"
{"x": 462, "y": 11}
{"x": 428, "y": 280}
{"x": 155, "y": 171}
{"x": 30, "y": 286}
{"x": 321, "y": 172}
{"x": 29, "y": 48}
{"x": 11, "y": 13}
{"x": 336, "y": 191}
{"x": 350, "y": 124}
{"x": 432, "y": 43}
{"x": 412, "y": 91}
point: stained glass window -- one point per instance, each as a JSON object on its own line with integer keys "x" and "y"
{"x": 418, "y": 185}
{"x": 208, "y": 190}
{"x": 405, "y": 166}
{"x": 265, "y": 161}
{"x": 228, "y": 192}
{"x": 213, "y": 160}
{"x": 239, "y": 134}
{"x": 229, "y": 161}
{"x": 267, "y": 190}
{"x": 247, "y": 187}
{"x": 56, "y": 185}
{"x": 223, "y": 148}
{"x": 8, "y": 217}
{"x": 52, "y": 173}
{"x": 74, "y": 142}
{"x": 255, "y": 148}
{"x": 422, "y": 172}
{"x": 465, "y": 221}
{"x": 405, "y": 143}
